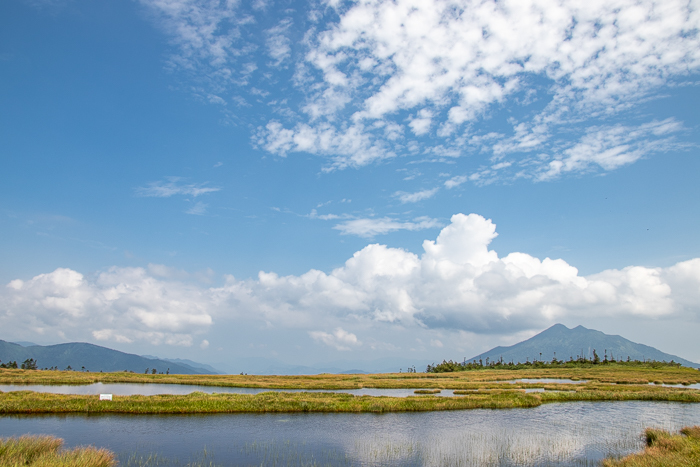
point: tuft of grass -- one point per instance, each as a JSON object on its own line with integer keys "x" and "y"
{"x": 427, "y": 391}
{"x": 45, "y": 451}
{"x": 664, "y": 449}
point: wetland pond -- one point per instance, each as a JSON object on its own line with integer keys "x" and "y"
{"x": 132, "y": 389}
{"x": 575, "y": 433}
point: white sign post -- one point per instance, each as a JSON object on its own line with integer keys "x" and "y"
{"x": 105, "y": 397}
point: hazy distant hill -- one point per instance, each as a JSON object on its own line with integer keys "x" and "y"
{"x": 92, "y": 357}
{"x": 208, "y": 369}
{"x": 574, "y": 342}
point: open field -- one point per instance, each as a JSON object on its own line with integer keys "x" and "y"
{"x": 611, "y": 373}
{"x": 45, "y": 451}
{"x": 664, "y": 449}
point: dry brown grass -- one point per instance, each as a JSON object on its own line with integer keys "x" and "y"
{"x": 665, "y": 449}
{"x": 45, "y": 451}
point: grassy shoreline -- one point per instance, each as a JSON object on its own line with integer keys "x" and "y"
{"x": 27, "y": 402}
{"x": 664, "y": 449}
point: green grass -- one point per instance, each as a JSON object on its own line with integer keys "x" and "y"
{"x": 664, "y": 449}
{"x": 427, "y": 391}
{"x": 28, "y": 402}
{"x": 45, "y": 451}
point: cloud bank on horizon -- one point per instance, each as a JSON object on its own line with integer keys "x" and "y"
{"x": 456, "y": 284}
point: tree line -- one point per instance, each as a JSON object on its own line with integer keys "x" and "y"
{"x": 448, "y": 366}
{"x": 31, "y": 364}
{"x": 28, "y": 364}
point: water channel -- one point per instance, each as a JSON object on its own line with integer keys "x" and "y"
{"x": 553, "y": 434}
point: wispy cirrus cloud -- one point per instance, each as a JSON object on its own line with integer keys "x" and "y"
{"x": 174, "y": 186}
{"x": 415, "y": 197}
{"x": 370, "y": 227}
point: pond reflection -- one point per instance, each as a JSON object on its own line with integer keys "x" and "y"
{"x": 552, "y": 434}
{"x": 133, "y": 389}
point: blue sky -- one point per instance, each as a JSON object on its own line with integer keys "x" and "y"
{"x": 222, "y": 179}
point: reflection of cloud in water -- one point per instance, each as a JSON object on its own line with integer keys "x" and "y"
{"x": 553, "y": 434}
{"x": 576, "y": 433}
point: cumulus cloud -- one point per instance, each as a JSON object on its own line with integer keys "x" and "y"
{"x": 121, "y": 304}
{"x": 457, "y": 284}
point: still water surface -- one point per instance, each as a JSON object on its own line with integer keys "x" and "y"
{"x": 132, "y": 389}
{"x": 552, "y": 434}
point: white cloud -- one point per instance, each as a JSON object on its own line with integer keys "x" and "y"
{"x": 612, "y": 147}
{"x": 455, "y": 181}
{"x": 370, "y": 227}
{"x": 459, "y": 284}
{"x": 121, "y": 304}
{"x": 199, "y": 209}
{"x": 415, "y": 197}
{"x": 456, "y": 284}
{"x": 349, "y": 147}
{"x": 278, "y": 43}
{"x": 340, "y": 339}
{"x": 205, "y": 34}
{"x": 384, "y": 78}
{"x": 174, "y": 186}
{"x": 443, "y": 64}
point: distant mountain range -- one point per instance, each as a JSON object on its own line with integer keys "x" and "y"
{"x": 270, "y": 366}
{"x": 210, "y": 370}
{"x": 576, "y": 342}
{"x": 93, "y": 357}
{"x": 560, "y": 339}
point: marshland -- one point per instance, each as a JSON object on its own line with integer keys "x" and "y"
{"x": 579, "y": 416}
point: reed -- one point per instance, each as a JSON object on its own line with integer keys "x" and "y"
{"x": 664, "y": 449}
{"x": 45, "y": 451}
{"x": 427, "y": 391}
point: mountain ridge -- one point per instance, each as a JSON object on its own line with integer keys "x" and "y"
{"x": 565, "y": 343}
{"x": 90, "y": 356}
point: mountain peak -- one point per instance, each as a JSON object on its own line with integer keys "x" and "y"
{"x": 564, "y": 344}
